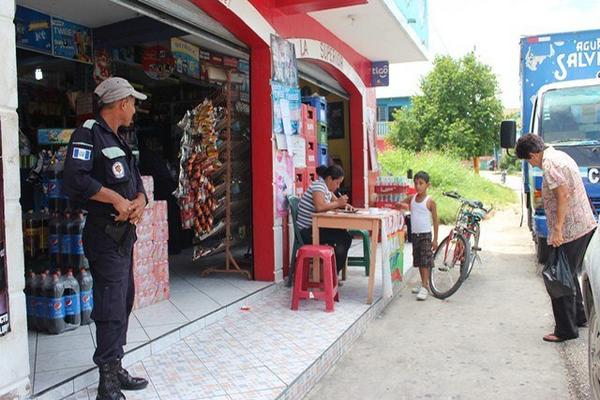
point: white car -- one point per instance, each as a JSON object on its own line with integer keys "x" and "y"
{"x": 591, "y": 300}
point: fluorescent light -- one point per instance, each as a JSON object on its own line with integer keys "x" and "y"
{"x": 39, "y": 75}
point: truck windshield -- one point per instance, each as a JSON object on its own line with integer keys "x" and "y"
{"x": 571, "y": 115}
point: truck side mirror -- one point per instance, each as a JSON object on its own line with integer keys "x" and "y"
{"x": 508, "y": 134}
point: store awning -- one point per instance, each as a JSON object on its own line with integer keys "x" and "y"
{"x": 377, "y": 30}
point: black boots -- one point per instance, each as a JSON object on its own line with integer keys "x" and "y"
{"x": 109, "y": 386}
{"x": 128, "y": 382}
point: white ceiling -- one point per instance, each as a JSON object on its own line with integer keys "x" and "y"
{"x": 375, "y": 30}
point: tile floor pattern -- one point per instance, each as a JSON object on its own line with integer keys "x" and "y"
{"x": 253, "y": 354}
{"x": 259, "y": 353}
{"x": 54, "y": 358}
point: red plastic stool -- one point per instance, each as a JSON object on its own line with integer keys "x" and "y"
{"x": 328, "y": 283}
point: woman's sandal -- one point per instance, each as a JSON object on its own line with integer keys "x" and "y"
{"x": 551, "y": 337}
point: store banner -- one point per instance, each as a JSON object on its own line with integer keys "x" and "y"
{"x": 33, "y": 29}
{"x": 158, "y": 62}
{"x": 284, "y": 181}
{"x": 380, "y": 73}
{"x": 187, "y": 58}
{"x": 72, "y": 41}
{"x": 392, "y": 250}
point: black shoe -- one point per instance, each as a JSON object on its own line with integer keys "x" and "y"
{"x": 129, "y": 382}
{"x": 108, "y": 387}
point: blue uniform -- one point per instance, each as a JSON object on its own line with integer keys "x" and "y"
{"x": 96, "y": 158}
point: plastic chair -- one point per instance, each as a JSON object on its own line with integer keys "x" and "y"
{"x": 293, "y": 202}
{"x": 328, "y": 284}
{"x": 365, "y": 260}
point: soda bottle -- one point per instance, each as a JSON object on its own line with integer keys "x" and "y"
{"x": 31, "y": 236}
{"x": 76, "y": 231}
{"x": 87, "y": 297}
{"x": 39, "y": 301}
{"x": 65, "y": 241}
{"x": 72, "y": 301}
{"x": 44, "y": 232}
{"x": 29, "y": 300}
{"x": 54, "y": 241}
{"x": 54, "y": 292}
{"x": 54, "y": 180}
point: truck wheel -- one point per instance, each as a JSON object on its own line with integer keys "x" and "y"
{"x": 542, "y": 250}
{"x": 593, "y": 353}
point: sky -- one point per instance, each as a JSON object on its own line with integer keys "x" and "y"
{"x": 492, "y": 28}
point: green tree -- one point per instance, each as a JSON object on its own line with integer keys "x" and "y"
{"x": 458, "y": 112}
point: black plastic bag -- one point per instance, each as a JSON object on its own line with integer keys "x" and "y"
{"x": 557, "y": 274}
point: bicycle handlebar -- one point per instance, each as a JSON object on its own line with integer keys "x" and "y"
{"x": 472, "y": 203}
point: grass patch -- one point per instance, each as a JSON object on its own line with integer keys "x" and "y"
{"x": 447, "y": 173}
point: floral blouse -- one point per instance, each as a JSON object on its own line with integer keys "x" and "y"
{"x": 560, "y": 169}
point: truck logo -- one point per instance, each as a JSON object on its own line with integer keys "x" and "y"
{"x": 594, "y": 175}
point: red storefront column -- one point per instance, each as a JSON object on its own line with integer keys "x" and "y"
{"x": 263, "y": 219}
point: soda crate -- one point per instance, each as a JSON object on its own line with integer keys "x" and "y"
{"x": 321, "y": 130}
{"x": 311, "y": 152}
{"x": 320, "y": 105}
{"x": 300, "y": 181}
{"x": 308, "y": 120}
{"x": 311, "y": 173}
{"x": 323, "y": 154}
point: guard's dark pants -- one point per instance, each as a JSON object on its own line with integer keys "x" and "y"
{"x": 113, "y": 292}
{"x": 339, "y": 239}
{"x": 568, "y": 311}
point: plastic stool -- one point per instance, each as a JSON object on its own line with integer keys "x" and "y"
{"x": 327, "y": 286}
{"x": 365, "y": 260}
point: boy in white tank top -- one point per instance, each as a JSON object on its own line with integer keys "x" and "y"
{"x": 423, "y": 213}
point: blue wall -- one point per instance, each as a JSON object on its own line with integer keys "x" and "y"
{"x": 417, "y": 11}
{"x": 385, "y": 107}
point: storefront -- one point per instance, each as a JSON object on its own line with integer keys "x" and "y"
{"x": 181, "y": 53}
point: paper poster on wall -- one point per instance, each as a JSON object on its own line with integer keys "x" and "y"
{"x": 392, "y": 250}
{"x": 72, "y": 41}
{"x": 371, "y": 133}
{"x": 284, "y": 181}
{"x": 298, "y": 151}
{"x": 158, "y": 62}
{"x": 187, "y": 58}
{"x": 33, "y": 30}
{"x": 285, "y": 68}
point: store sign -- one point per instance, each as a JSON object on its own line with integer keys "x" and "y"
{"x": 71, "y": 40}
{"x": 380, "y": 73}
{"x": 216, "y": 59}
{"x": 187, "y": 58}
{"x": 157, "y": 62}
{"x": 33, "y": 30}
{"x": 230, "y": 62}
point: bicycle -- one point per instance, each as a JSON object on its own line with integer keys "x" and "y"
{"x": 455, "y": 256}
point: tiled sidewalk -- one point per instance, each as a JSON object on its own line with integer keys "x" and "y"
{"x": 267, "y": 352}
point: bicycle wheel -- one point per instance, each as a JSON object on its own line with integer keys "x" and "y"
{"x": 449, "y": 262}
{"x": 474, "y": 246}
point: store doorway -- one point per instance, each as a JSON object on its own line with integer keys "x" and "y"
{"x": 63, "y": 50}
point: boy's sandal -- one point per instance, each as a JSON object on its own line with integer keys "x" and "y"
{"x": 551, "y": 337}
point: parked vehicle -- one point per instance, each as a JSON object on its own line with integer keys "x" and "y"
{"x": 590, "y": 281}
{"x": 560, "y": 93}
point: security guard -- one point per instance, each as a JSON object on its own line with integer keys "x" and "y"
{"x": 101, "y": 174}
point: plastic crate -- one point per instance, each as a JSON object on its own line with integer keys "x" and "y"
{"x": 308, "y": 120}
{"x": 320, "y": 105}
{"x": 300, "y": 181}
{"x": 323, "y": 154}
{"x": 391, "y": 189}
{"x": 311, "y": 173}
{"x": 321, "y": 131}
{"x": 312, "y": 155}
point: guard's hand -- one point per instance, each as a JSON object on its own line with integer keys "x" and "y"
{"x": 557, "y": 238}
{"x": 123, "y": 207}
{"x": 342, "y": 201}
{"x": 137, "y": 210}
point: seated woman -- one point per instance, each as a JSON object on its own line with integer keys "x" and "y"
{"x": 319, "y": 197}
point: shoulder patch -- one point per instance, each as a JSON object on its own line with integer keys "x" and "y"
{"x": 82, "y": 154}
{"x": 89, "y": 124}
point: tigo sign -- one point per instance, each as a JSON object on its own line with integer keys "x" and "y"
{"x": 380, "y": 73}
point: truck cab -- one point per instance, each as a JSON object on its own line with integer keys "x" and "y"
{"x": 567, "y": 116}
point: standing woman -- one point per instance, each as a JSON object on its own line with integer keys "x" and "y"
{"x": 570, "y": 221}
{"x": 319, "y": 197}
